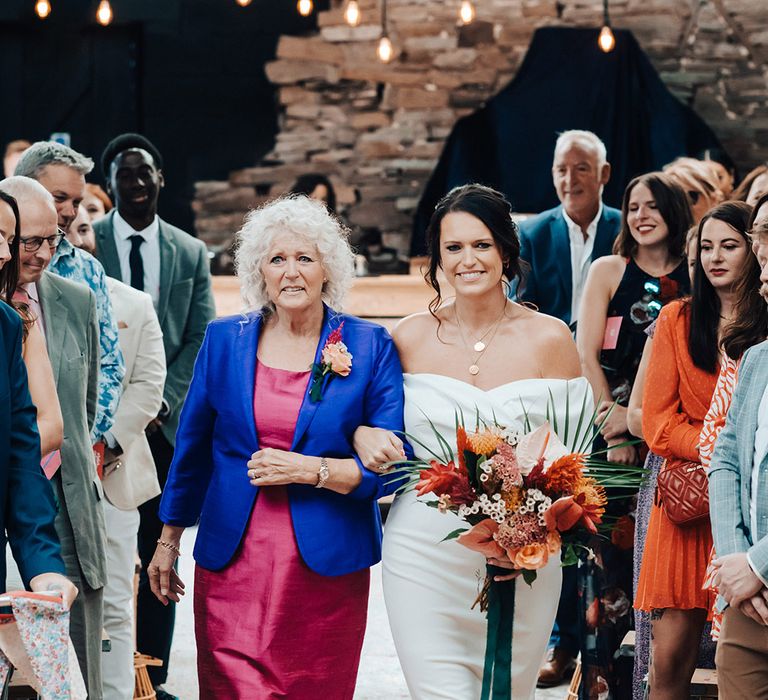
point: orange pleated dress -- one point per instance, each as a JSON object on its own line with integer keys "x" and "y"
{"x": 676, "y": 399}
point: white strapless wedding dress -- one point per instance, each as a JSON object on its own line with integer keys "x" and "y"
{"x": 429, "y": 585}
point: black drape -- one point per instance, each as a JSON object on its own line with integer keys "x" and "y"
{"x": 566, "y": 82}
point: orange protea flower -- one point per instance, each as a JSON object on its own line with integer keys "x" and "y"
{"x": 565, "y": 473}
{"x": 591, "y": 497}
{"x": 484, "y": 442}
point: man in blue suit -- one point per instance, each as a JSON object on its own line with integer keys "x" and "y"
{"x": 561, "y": 243}
{"x": 27, "y": 508}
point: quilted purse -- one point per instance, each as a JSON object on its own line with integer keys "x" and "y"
{"x": 682, "y": 490}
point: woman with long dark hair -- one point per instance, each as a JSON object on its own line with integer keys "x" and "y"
{"x": 479, "y": 353}
{"x": 681, "y": 379}
{"x": 623, "y": 295}
{"x": 42, "y": 387}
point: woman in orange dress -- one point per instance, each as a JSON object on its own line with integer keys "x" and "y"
{"x": 683, "y": 373}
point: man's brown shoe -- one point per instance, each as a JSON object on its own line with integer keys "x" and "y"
{"x": 558, "y": 666}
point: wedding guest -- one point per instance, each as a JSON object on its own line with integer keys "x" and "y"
{"x": 42, "y": 387}
{"x": 141, "y": 249}
{"x": 282, "y": 568}
{"x": 13, "y": 152}
{"x": 699, "y": 182}
{"x": 559, "y": 246}
{"x": 96, "y": 202}
{"x": 62, "y": 170}
{"x": 67, "y": 315}
{"x": 129, "y": 476}
{"x": 683, "y": 374}
{"x": 316, "y": 186}
{"x": 738, "y": 511}
{"x": 753, "y": 186}
{"x": 623, "y": 295}
{"x": 80, "y": 233}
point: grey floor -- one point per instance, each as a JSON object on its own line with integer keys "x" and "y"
{"x": 379, "y": 677}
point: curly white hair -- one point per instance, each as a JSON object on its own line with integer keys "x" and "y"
{"x": 310, "y": 221}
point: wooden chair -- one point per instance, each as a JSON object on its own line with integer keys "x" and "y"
{"x": 573, "y": 688}
{"x": 144, "y": 690}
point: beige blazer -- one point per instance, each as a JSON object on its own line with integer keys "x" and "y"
{"x": 132, "y": 480}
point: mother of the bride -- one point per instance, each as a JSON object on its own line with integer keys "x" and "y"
{"x": 288, "y": 519}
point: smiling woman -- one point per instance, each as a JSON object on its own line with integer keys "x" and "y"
{"x": 289, "y": 524}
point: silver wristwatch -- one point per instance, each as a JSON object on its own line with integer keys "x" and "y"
{"x": 323, "y": 473}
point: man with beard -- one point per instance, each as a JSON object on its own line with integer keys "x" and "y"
{"x": 139, "y": 248}
{"x": 738, "y": 494}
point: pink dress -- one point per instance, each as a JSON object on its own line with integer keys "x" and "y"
{"x": 266, "y": 625}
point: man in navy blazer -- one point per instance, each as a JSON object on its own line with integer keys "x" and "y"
{"x": 561, "y": 243}
{"x": 27, "y": 508}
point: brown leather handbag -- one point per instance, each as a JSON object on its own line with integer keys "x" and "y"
{"x": 682, "y": 490}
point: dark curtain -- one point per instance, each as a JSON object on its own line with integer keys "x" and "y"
{"x": 566, "y": 82}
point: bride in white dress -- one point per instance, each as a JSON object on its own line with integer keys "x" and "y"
{"x": 481, "y": 353}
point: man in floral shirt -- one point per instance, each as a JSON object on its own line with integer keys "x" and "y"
{"x": 62, "y": 171}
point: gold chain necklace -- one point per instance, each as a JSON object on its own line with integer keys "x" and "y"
{"x": 479, "y": 347}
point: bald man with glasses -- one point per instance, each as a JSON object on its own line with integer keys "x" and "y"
{"x": 67, "y": 317}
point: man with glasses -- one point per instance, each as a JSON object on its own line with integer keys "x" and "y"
{"x": 62, "y": 170}
{"x": 67, "y": 317}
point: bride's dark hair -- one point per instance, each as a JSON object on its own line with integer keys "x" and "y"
{"x": 490, "y": 207}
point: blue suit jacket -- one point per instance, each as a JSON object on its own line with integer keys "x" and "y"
{"x": 336, "y": 534}
{"x": 27, "y": 506}
{"x": 546, "y": 247}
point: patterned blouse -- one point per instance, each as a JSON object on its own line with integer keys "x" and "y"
{"x": 77, "y": 265}
{"x": 718, "y": 409}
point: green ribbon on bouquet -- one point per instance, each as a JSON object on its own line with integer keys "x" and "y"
{"x": 497, "y": 669}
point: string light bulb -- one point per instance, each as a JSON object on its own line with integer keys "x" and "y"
{"x": 305, "y": 7}
{"x": 243, "y": 3}
{"x": 43, "y": 8}
{"x": 385, "y": 50}
{"x": 104, "y": 13}
{"x": 606, "y": 41}
{"x": 352, "y": 13}
{"x": 466, "y": 12}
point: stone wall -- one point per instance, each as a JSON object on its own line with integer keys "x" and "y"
{"x": 378, "y": 129}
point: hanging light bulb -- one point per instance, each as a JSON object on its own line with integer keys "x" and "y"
{"x": 352, "y": 13}
{"x": 466, "y": 12}
{"x": 243, "y": 3}
{"x": 385, "y": 51}
{"x": 43, "y": 8}
{"x": 606, "y": 41}
{"x": 305, "y": 7}
{"x": 104, "y": 13}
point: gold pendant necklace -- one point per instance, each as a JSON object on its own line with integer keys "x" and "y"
{"x": 479, "y": 347}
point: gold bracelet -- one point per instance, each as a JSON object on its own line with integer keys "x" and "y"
{"x": 170, "y": 546}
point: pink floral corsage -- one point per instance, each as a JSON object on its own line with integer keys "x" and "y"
{"x": 335, "y": 361}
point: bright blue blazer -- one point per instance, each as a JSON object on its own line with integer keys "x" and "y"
{"x": 546, "y": 247}
{"x": 27, "y": 505}
{"x": 336, "y": 534}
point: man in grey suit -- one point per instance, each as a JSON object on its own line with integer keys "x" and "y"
{"x": 738, "y": 494}
{"x": 67, "y": 313}
{"x": 140, "y": 249}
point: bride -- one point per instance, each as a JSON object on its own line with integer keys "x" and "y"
{"x": 481, "y": 353}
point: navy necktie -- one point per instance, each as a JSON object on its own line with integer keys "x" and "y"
{"x": 136, "y": 263}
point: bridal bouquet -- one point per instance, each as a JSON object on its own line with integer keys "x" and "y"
{"x": 522, "y": 493}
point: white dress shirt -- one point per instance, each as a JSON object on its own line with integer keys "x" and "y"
{"x": 150, "y": 253}
{"x": 581, "y": 256}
